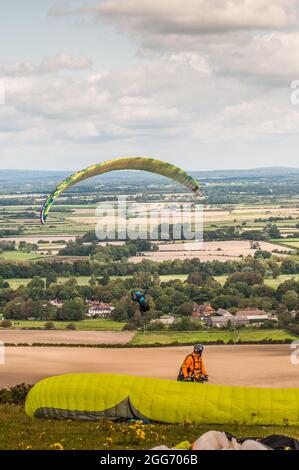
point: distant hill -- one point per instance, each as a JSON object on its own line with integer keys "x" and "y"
{"x": 258, "y": 172}
{"x": 253, "y": 172}
{"x": 45, "y": 181}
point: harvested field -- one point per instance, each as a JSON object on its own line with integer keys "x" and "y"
{"x": 65, "y": 337}
{"x": 207, "y": 251}
{"x": 249, "y": 365}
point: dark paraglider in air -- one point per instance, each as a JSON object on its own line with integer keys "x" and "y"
{"x": 138, "y": 296}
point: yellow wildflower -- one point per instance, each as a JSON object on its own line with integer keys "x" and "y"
{"x": 57, "y": 446}
{"x": 140, "y": 434}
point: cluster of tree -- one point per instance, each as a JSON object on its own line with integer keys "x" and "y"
{"x": 238, "y": 233}
{"x": 11, "y": 270}
{"x": 7, "y": 246}
{"x": 20, "y": 215}
{"x": 106, "y": 253}
{"x": 223, "y": 233}
{"x": 11, "y": 232}
{"x": 15, "y": 201}
{"x": 33, "y": 302}
{"x": 243, "y": 288}
{"x": 247, "y": 190}
{"x": 26, "y": 247}
{"x": 270, "y": 231}
{"x": 273, "y": 219}
{"x": 21, "y": 309}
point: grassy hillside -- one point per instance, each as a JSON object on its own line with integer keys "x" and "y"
{"x": 19, "y": 432}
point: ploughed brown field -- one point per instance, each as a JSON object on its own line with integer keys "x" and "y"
{"x": 65, "y": 337}
{"x": 249, "y": 365}
{"x": 206, "y": 251}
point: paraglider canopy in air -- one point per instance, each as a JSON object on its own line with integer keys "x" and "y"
{"x": 128, "y": 163}
{"x": 139, "y": 297}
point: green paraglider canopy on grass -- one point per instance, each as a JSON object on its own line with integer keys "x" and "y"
{"x": 96, "y": 396}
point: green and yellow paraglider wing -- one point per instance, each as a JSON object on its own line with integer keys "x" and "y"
{"x": 112, "y": 396}
{"x": 129, "y": 163}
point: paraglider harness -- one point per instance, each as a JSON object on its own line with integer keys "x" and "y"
{"x": 196, "y": 377}
{"x": 140, "y": 298}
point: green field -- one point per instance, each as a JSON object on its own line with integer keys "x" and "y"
{"x": 270, "y": 282}
{"x": 282, "y": 278}
{"x": 287, "y": 242}
{"x": 19, "y": 432}
{"x": 100, "y": 324}
{"x": 20, "y": 256}
{"x": 15, "y": 283}
{"x": 171, "y": 277}
{"x": 83, "y": 280}
{"x": 61, "y": 223}
{"x": 191, "y": 337}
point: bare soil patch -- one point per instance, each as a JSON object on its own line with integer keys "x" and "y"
{"x": 247, "y": 365}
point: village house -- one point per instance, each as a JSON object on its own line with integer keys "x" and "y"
{"x": 217, "y": 322}
{"x": 253, "y": 315}
{"x": 56, "y": 303}
{"x": 226, "y": 320}
{"x": 165, "y": 319}
{"x": 220, "y": 320}
{"x": 98, "y": 309}
{"x": 203, "y": 311}
{"x": 224, "y": 313}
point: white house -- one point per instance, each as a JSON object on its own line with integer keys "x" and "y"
{"x": 166, "y": 319}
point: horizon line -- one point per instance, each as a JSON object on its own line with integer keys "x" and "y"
{"x": 189, "y": 170}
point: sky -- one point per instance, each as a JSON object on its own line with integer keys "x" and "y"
{"x": 205, "y": 84}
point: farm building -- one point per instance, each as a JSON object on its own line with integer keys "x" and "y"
{"x": 56, "y": 303}
{"x": 251, "y": 312}
{"x": 223, "y": 313}
{"x": 165, "y": 319}
{"x": 253, "y": 315}
{"x": 217, "y": 322}
{"x": 202, "y": 311}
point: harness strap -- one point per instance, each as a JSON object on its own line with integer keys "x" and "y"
{"x": 199, "y": 365}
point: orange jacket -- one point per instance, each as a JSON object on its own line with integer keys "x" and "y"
{"x": 193, "y": 365}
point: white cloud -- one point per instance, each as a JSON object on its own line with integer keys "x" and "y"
{"x": 194, "y": 17}
{"x": 267, "y": 58}
{"x": 175, "y": 96}
{"x": 206, "y": 78}
{"x": 61, "y": 61}
{"x": 64, "y": 61}
{"x": 257, "y": 38}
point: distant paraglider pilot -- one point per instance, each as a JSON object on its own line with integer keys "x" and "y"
{"x": 137, "y": 296}
{"x": 193, "y": 369}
